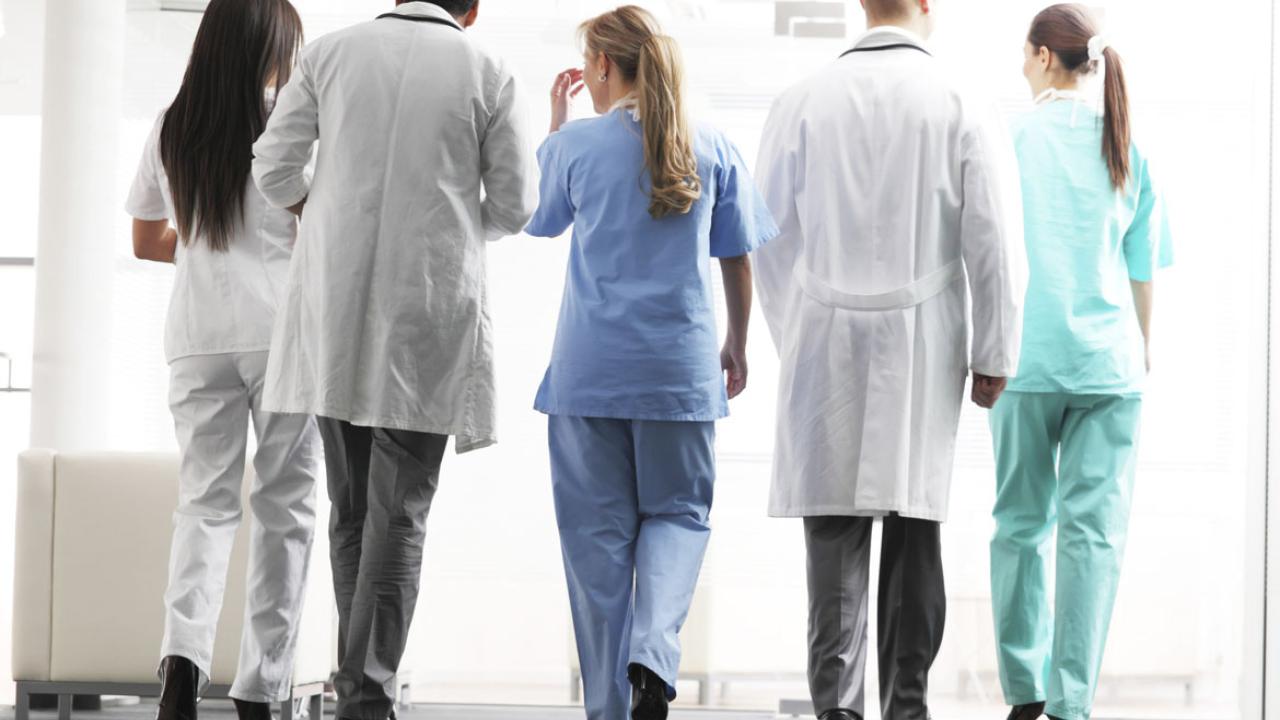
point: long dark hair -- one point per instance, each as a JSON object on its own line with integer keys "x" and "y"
{"x": 1066, "y": 30}
{"x": 207, "y": 136}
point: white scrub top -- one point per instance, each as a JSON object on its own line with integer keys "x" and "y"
{"x": 1085, "y": 242}
{"x": 637, "y": 332}
{"x": 222, "y": 302}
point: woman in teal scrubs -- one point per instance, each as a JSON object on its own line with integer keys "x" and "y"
{"x": 1066, "y": 431}
{"x": 637, "y": 377}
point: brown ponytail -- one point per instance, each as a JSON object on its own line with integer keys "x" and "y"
{"x": 1115, "y": 134}
{"x": 1066, "y": 29}
{"x": 631, "y": 39}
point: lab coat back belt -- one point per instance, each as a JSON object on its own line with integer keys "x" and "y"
{"x": 907, "y": 296}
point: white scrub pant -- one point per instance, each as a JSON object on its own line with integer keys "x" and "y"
{"x": 632, "y": 503}
{"x": 212, "y": 398}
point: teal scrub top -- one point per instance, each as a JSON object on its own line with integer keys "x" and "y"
{"x": 1085, "y": 242}
{"x": 637, "y": 335}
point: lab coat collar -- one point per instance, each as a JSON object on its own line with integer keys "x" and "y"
{"x": 424, "y": 9}
{"x": 882, "y": 35}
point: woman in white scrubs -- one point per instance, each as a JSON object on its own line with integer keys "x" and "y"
{"x": 1066, "y": 430}
{"x": 637, "y": 377}
{"x": 195, "y": 205}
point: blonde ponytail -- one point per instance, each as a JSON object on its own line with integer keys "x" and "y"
{"x": 631, "y": 39}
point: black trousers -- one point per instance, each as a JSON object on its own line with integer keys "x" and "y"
{"x": 381, "y": 483}
{"x": 912, "y": 612}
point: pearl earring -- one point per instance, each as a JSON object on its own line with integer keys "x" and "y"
{"x": 604, "y": 78}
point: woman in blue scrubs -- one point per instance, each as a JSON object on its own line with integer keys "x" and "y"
{"x": 1066, "y": 431}
{"x": 637, "y": 378}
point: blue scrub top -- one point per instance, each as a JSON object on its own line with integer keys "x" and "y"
{"x": 1085, "y": 241}
{"x": 637, "y": 333}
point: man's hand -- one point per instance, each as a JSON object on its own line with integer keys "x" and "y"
{"x": 987, "y": 390}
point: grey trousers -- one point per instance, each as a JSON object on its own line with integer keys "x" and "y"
{"x": 912, "y": 612}
{"x": 381, "y": 483}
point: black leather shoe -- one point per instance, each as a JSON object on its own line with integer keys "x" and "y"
{"x": 648, "y": 694}
{"x": 839, "y": 714}
{"x": 1031, "y": 711}
{"x": 179, "y": 686}
{"x": 252, "y": 710}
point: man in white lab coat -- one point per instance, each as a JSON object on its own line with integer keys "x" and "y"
{"x": 383, "y": 330}
{"x": 890, "y": 187}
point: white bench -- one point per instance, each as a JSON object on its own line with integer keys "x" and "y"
{"x": 93, "y": 535}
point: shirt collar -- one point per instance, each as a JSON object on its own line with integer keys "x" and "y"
{"x": 1051, "y": 94}
{"x": 882, "y": 35}
{"x": 1076, "y": 97}
{"x": 630, "y": 103}
{"x": 424, "y": 9}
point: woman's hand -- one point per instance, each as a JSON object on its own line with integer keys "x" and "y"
{"x": 154, "y": 240}
{"x": 566, "y": 87}
{"x": 1143, "y": 300}
{"x": 733, "y": 359}
{"x": 736, "y": 272}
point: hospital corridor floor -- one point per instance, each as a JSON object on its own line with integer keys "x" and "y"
{"x": 223, "y": 710}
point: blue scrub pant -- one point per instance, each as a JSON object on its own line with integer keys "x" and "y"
{"x": 632, "y": 502}
{"x": 1065, "y": 461}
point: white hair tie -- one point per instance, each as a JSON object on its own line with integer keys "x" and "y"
{"x": 1098, "y": 45}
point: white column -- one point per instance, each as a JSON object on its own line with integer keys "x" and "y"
{"x": 79, "y": 217}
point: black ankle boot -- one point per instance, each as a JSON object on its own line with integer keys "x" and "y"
{"x": 839, "y": 714}
{"x": 252, "y": 710}
{"x": 648, "y": 694}
{"x": 179, "y": 686}
{"x": 1030, "y": 711}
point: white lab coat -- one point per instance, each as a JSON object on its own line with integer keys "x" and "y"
{"x": 385, "y": 319}
{"x": 890, "y": 187}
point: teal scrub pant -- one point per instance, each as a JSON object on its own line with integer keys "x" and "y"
{"x": 1064, "y": 460}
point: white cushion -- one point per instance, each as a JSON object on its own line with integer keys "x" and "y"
{"x": 98, "y": 587}
{"x": 33, "y": 566}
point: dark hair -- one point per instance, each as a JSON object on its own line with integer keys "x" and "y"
{"x": 456, "y": 8}
{"x": 1066, "y": 30}
{"x": 207, "y": 136}
{"x": 888, "y": 9}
